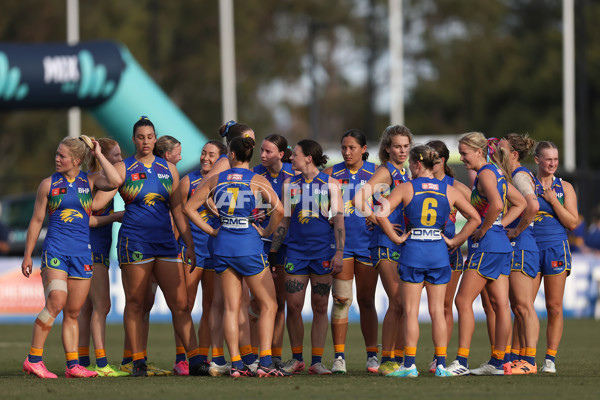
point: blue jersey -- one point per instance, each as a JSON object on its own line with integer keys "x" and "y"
{"x": 201, "y": 239}
{"x": 495, "y": 239}
{"x": 101, "y": 237}
{"x": 235, "y": 204}
{"x": 526, "y": 239}
{"x": 546, "y": 226}
{"x": 358, "y": 236}
{"x": 276, "y": 182}
{"x": 146, "y": 192}
{"x": 310, "y": 235}
{"x": 380, "y": 239}
{"x": 450, "y": 229}
{"x": 69, "y": 209}
{"x": 426, "y": 215}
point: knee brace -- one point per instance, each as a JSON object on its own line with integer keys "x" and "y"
{"x": 45, "y": 319}
{"x": 342, "y": 299}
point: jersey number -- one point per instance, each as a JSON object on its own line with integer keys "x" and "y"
{"x": 233, "y": 199}
{"x": 429, "y": 214}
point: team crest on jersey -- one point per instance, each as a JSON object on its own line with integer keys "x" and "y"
{"x": 235, "y": 177}
{"x": 304, "y": 216}
{"x": 430, "y": 186}
{"x": 59, "y": 191}
{"x": 68, "y": 215}
{"x": 151, "y": 198}
{"x": 138, "y": 176}
{"x": 295, "y": 192}
{"x": 348, "y": 207}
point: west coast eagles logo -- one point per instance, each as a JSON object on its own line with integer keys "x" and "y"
{"x": 304, "y": 216}
{"x": 348, "y": 207}
{"x": 151, "y": 198}
{"x": 68, "y": 215}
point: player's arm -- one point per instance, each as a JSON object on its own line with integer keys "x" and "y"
{"x": 199, "y": 199}
{"x": 182, "y": 224}
{"x": 35, "y": 225}
{"x": 268, "y": 195}
{"x": 284, "y": 224}
{"x": 526, "y": 187}
{"x": 517, "y": 205}
{"x": 373, "y": 189}
{"x": 402, "y": 193}
{"x": 339, "y": 231}
{"x": 567, "y": 214}
{"x": 457, "y": 199}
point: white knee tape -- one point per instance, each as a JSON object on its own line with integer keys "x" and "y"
{"x": 45, "y": 318}
{"x": 342, "y": 299}
{"x": 251, "y": 311}
{"x": 55, "y": 284}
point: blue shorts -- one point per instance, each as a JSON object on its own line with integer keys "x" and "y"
{"x": 435, "y": 276}
{"x": 203, "y": 261}
{"x": 527, "y": 262}
{"x": 384, "y": 254}
{"x": 456, "y": 260}
{"x": 555, "y": 258}
{"x": 366, "y": 260}
{"x": 297, "y": 267}
{"x": 244, "y": 265}
{"x": 134, "y": 252}
{"x": 489, "y": 265}
{"x": 101, "y": 258}
{"x": 280, "y": 254}
{"x": 75, "y": 267}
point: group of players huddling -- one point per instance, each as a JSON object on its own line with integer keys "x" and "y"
{"x": 256, "y": 238}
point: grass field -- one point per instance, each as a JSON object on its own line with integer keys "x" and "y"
{"x": 578, "y": 374}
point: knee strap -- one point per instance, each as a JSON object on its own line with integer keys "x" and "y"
{"x": 55, "y": 284}
{"x": 342, "y": 299}
{"x": 45, "y": 319}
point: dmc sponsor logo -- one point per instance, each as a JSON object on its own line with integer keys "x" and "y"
{"x": 234, "y": 223}
{"x": 425, "y": 234}
{"x": 10, "y": 81}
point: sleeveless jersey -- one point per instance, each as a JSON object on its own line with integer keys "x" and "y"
{"x": 276, "y": 182}
{"x": 526, "y": 239}
{"x": 201, "y": 238}
{"x": 426, "y": 215}
{"x": 69, "y": 209}
{"x": 380, "y": 239}
{"x": 235, "y": 203}
{"x": 546, "y": 226}
{"x": 101, "y": 237}
{"x": 495, "y": 239}
{"x": 358, "y": 236}
{"x": 310, "y": 235}
{"x": 146, "y": 192}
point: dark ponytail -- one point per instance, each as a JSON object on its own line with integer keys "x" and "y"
{"x": 282, "y": 145}
{"x": 143, "y": 121}
{"x": 441, "y": 148}
{"x": 311, "y": 148}
{"x": 360, "y": 138}
{"x": 232, "y": 130}
{"x": 242, "y": 147}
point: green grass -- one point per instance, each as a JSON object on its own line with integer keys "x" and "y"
{"x": 577, "y": 363}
